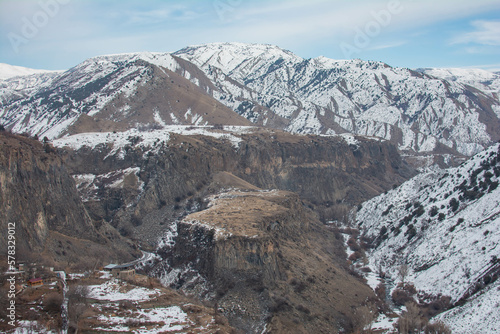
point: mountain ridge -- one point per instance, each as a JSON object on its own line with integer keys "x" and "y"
{"x": 427, "y": 117}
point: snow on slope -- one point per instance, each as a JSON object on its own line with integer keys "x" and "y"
{"x": 10, "y": 71}
{"x": 365, "y": 98}
{"x": 47, "y": 106}
{"x": 481, "y": 79}
{"x": 446, "y": 226}
{"x": 271, "y": 87}
{"x": 152, "y": 140}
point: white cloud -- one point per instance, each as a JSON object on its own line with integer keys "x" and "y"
{"x": 388, "y": 46}
{"x": 487, "y": 33}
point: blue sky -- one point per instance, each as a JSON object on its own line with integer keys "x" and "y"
{"x": 59, "y": 34}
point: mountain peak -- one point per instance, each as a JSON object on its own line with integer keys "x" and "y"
{"x": 229, "y": 56}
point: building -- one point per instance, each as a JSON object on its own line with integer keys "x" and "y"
{"x": 123, "y": 271}
{"x": 34, "y": 282}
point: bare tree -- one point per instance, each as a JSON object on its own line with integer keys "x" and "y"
{"x": 437, "y": 327}
{"x": 77, "y": 305}
{"x": 403, "y": 271}
{"x": 411, "y": 320}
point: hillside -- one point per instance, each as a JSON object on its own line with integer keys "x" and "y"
{"x": 445, "y": 226}
{"x": 270, "y": 267}
{"x": 417, "y": 112}
{"x": 38, "y": 195}
{"x": 134, "y": 179}
{"x": 112, "y": 93}
{"x": 431, "y": 119}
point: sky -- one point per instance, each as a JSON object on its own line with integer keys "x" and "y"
{"x": 59, "y": 34}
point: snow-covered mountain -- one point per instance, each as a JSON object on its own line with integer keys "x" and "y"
{"x": 485, "y": 81}
{"x": 116, "y": 92}
{"x": 445, "y": 225}
{"x": 418, "y": 112}
{"x": 269, "y": 86}
{"x": 10, "y": 71}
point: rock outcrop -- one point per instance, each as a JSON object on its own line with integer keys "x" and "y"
{"x": 268, "y": 264}
{"x": 51, "y": 223}
{"x": 332, "y": 174}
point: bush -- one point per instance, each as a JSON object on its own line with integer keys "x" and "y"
{"x": 401, "y": 297}
{"x": 454, "y": 204}
{"x": 52, "y": 302}
{"x": 437, "y": 328}
{"x": 380, "y": 291}
{"x": 434, "y": 211}
{"x": 441, "y": 217}
{"x": 279, "y": 304}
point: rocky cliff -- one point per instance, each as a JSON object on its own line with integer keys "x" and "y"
{"x": 39, "y": 196}
{"x": 267, "y": 262}
{"x": 137, "y": 184}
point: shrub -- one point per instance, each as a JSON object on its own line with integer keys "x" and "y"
{"x": 454, "y": 204}
{"x": 401, "y": 297}
{"x": 52, "y": 302}
{"x": 386, "y": 212}
{"x": 411, "y": 321}
{"x": 279, "y": 304}
{"x": 380, "y": 291}
{"x": 355, "y": 256}
{"x": 434, "y": 211}
{"x": 441, "y": 217}
{"x": 437, "y": 327}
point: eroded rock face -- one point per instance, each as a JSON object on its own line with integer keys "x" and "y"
{"x": 39, "y": 196}
{"x": 330, "y": 173}
{"x": 266, "y": 261}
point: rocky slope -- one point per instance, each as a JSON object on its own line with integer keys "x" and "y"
{"x": 219, "y": 83}
{"x": 486, "y": 81}
{"x": 415, "y": 111}
{"x": 135, "y": 179}
{"x": 112, "y": 93}
{"x": 445, "y": 226}
{"x": 51, "y": 224}
{"x": 270, "y": 266}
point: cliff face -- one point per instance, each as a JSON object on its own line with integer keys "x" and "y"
{"x": 138, "y": 187}
{"x": 39, "y": 196}
{"x": 267, "y": 262}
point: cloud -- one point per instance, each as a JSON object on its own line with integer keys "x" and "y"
{"x": 487, "y": 33}
{"x": 388, "y": 46}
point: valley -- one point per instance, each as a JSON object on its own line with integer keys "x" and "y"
{"x": 272, "y": 194}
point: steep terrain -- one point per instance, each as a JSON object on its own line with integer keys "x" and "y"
{"x": 445, "y": 226}
{"x": 486, "y": 81}
{"x": 415, "y": 111}
{"x": 112, "y": 93}
{"x": 135, "y": 179}
{"x": 51, "y": 224}
{"x": 267, "y": 262}
{"x": 234, "y": 84}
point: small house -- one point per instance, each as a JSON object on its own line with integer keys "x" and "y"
{"x": 123, "y": 271}
{"x": 34, "y": 282}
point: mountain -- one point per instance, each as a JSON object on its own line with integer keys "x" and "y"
{"x": 113, "y": 93}
{"x": 486, "y": 81}
{"x": 9, "y": 71}
{"x": 419, "y": 113}
{"x": 445, "y": 226}
{"x": 235, "y": 84}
